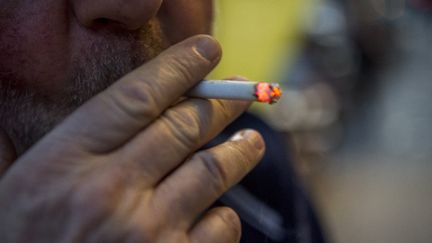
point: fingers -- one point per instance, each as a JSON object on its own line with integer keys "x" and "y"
{"x": 208, "y": 174}
{"x": 220, "y": 225}
{"x": 179, "y": 131}
{"x": 137, "y": 99}
{"x": 7, "y": 152}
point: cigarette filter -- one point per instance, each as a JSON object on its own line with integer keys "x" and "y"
{"x": 237, "y": 90}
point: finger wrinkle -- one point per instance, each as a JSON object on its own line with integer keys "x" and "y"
{"x": 136, "y": 101}
{"x": 184, "y": 126}
{"x": 215, "y": 170}
{"x": 180, "y": 68}
{"x": 230, "y": 110}
{"x": 243, "y": 155}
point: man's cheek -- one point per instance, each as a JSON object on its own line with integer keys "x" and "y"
{"x": 33, "y": 53}
{"x": 184, "y": 18}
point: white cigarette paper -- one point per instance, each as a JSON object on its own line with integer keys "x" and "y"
{"x": 236, "y": 90}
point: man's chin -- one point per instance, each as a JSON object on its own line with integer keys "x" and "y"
{"x": 27, "y": 115}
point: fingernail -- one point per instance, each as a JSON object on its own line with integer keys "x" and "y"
{"x": 208, "y": 48}
{"x": 238, "y": 136}
{"x": 252, "y": 135}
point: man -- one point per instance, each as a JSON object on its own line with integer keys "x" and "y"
{"x": 104, "y": 147}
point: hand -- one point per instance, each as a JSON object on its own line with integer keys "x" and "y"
{"x": 124, "y": 168}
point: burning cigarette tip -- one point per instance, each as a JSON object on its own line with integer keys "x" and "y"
{"x": 268, "y": 92}
{"x": 237, "y": 90}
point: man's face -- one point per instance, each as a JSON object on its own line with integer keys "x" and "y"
{"x": 56, "y": 54}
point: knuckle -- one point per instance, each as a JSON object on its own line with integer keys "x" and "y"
{"x": 184, "y": 126}
{"x": 215, "y": 171}
{"x": 132, "y": 93}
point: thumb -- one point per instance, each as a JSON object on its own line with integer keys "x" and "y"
{"x": 7, "y": 152}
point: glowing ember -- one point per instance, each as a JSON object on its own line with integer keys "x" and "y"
{"x": 268, "y": 93}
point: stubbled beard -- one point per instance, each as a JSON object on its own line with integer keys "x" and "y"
{"x": 26, "y": 114}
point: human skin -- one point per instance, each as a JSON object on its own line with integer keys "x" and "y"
{"x": 120, "y": 165}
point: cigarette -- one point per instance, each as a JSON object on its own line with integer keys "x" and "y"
{"x": 237, "y": 90}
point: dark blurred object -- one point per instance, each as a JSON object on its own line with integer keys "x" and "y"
{"x": 270, "y": 200}
{"x": 376, "y": 186}
{"x": 344, "y": 46}
{"x": 422, "y": 4}
{"x": 348, "y": 43}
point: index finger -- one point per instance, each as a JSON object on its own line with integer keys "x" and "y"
{"x": 117, "y": 114}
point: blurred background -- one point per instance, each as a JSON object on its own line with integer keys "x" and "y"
{"x": 357, "y": 108}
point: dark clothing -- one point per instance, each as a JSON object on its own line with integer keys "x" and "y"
{"x": 270, "y": 202}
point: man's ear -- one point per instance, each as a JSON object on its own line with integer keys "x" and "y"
{"x": 7, "y": 152}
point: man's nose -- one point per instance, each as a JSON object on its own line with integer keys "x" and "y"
{"x": 132, "y": 14}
